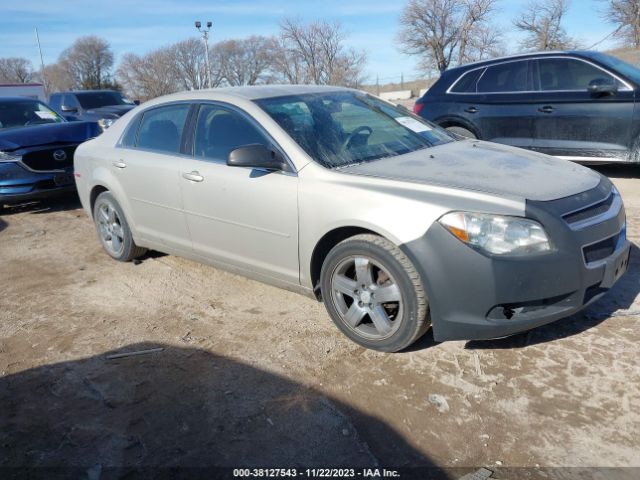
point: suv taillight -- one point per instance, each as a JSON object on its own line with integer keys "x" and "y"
{"x": 417, "y": 108}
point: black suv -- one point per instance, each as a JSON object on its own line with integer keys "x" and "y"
{"x": 578, "y": 106}
{"x": 102, "y": 106}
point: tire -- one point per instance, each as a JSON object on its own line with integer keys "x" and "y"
{"x": 113, "y": 230}
{"x": 461, "y": 132}
{"x": 386, "y": 324}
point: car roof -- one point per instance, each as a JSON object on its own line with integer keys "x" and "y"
{"x": 18, "y": 98}
{"x": 523, "y": 56}
{"x": 255, "y": 92}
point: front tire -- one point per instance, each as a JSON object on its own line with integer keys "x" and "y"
{"x": 113, "y": 230}
{"x": 374, "y": 294}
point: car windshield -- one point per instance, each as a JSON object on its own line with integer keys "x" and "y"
{"x": 23, "y": 113}
{"x": 89, "y": 100}
{"x": 630, "y": 71}
{"x": 339, "y": 129}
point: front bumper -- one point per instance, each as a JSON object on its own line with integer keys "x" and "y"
{"x": 477, "y": 296}
{"x": 18, "y": 184}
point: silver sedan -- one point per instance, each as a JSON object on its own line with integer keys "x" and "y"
{"x": 395, "y": 224}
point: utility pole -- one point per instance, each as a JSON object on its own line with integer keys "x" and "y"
{"x": 205, "y": 37}
{"x": 44, "y": 80}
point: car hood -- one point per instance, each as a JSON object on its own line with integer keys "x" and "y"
{"x": 485, "y": 167}
{"x": 68, "y": 132}
{"x": 110, "y": 111}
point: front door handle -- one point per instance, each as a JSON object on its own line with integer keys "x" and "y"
{"x": 193, "y": 176}
{"x": 119, "y": 164}
{"x": 546, "y": 109}
{"x": 471, "y": 110}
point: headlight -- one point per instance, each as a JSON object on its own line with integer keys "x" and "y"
{"x": 105, "y": 123}
{"x": 9, "y": 157}
{"x": 497, "y": 234}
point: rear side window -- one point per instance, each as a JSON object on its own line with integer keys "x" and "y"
{"x": 55, "y": 101}
{"x": 570, "y": 74}
{"x": 467, "y": 82}
{"x": 219, "y": 131}
{"x": 128, "y": 140}
{"x": 506, "y": 77}
{"x": 161, "y": 128}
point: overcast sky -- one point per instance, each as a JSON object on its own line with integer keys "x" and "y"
{"x": 142, "y": 25}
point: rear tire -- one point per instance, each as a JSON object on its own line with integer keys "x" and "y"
{"x": 461, "y": 132}
{"x": 113, "y": 230}
{"x": 374, "y": 294}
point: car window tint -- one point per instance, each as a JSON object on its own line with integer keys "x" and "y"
{"x": 569, "y": 74}
{"x": 506, "y": 77}
{"x": 161, "y": 128}
{"x": 219, "y": 131}
{"x": 467, "y": 82}
{"x": 55, "y": 101}
{"x": 70, "y": 101}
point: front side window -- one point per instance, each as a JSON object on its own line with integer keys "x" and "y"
{"x": 161, "y": 128}
{"x": 343, "y": 128}
{"x": 568, "y": 74}
{"x": 219, "y": 131}
{"x": 25, "y": 113}
{"x": 505, "y": 78}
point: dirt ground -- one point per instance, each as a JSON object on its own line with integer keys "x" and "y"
{"x": 250, "y": 375}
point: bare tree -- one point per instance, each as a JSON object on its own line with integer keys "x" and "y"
{"x": 16, "y": 70}
{"x": 316, "y": 53}
{"x": 190, "y": 65}
{"x": 58, "y": 78}
{"x": 89, "y": 60}
{"x": 542, "y": 23}
{"x": 246, "y": 61}
{"x": 445, "y": 32}
{"x": 149, "y": 76}
{"x": 625, "y": 15}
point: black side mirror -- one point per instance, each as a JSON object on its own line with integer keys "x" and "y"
{"x": 67, "y": 108}
{"x": 136, "y": 102}
{"x": 256, "y": 156}
{"x": 602, "y": 86}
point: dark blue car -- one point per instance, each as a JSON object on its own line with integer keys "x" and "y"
{"x": 36, "y": 150}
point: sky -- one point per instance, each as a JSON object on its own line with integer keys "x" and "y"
{"x": 140, "y": 26}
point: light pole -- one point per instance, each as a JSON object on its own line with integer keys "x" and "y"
{"x": 205, "y": 37}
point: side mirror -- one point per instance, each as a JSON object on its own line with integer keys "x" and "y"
{"x": 136, "y": 102}
{"x": 602, "y": 86}
{"x": 67, "y": 108}
{"x": 256, "y": 156}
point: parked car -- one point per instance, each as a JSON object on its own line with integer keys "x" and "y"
{"x": 102, "y": 106}
{"x": 31, "y": 90}
{"x": 578, "y": 106}
{"x": 36, "y": 150}
{"x": 391, "y": 221}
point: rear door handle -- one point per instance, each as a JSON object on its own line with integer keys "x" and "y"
{"x": 471, "y": 110}
{"x": 119, "y": 164}
{"x": 546, "y": 109}
{"x": 193, "y": 176}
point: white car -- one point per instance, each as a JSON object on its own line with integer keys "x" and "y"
{"x": 394, "y": 223}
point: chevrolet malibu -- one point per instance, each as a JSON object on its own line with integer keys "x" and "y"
{"x": 390, "y": 221}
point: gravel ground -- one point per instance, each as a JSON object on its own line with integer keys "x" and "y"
{"x": 250, "y": 375}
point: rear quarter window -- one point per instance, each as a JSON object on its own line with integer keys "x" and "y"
{"x": 467, "y": 82}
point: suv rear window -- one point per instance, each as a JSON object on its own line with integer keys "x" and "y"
{"x": 506, "y": 77}
{"x": 467, "y": 82}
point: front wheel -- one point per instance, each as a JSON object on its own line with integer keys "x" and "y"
{"x": 461, "y": 132}
{"x": 373, "y": 293}
{"x": 113, "y": 229}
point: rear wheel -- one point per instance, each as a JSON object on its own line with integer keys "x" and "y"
{"x": 461, "y": 132}
{"x": 374, "y": 294}
{"x": 113, "y": 229}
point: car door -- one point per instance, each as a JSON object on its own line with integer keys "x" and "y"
{"x": 574, "y": 123}
{"x": 501, "y": 107}
{"x": 239, "y": 216}
{"x": 147, "y": 165}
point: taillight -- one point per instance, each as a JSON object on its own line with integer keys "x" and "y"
{"x": 417, "y": 108}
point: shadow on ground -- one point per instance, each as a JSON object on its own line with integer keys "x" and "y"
{"x": 3, "y": 224}
{"x": 186, "y": 408}
{"x": 617, "y": 301}
{"x": 66, "y": 202}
